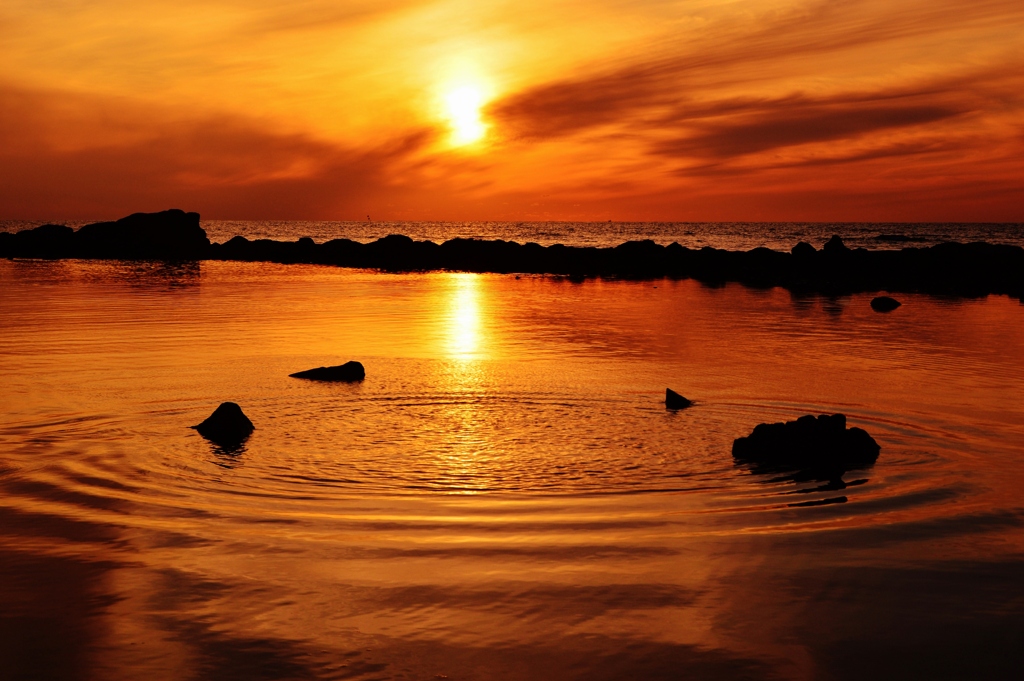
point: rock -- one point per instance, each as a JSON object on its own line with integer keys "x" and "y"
{"x": 349, "y": 371}
{"x": 674, "y": 400}
{"x": 227, "y": 426}
{"x": 47, "y": 241}
{"x": 167, "y": 235}
{"x": 822, "y": 447}
{"x": 835, "y": 245}
{"x": 803, "y": 250}
{"x": 884, "y": 304}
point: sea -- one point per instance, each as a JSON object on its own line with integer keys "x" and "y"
{"x": 505, "y": 496}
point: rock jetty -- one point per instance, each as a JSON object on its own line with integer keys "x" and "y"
{"x": 973, "y": 269}
{"x": 347, "y": 372}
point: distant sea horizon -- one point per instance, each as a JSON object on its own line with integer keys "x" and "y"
{"x": 724, "y": 235}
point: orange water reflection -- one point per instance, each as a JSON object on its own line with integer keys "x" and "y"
{"x": 504, "y": 496}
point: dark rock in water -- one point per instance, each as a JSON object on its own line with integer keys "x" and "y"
{"x": 820, "y": 448}
{"x": 349, "y": 371}
{"x": 227, "y": 426}
{"x": 674, "y": 400}
{"x": 167, "y": 235}
{"x": 47, "y": 241}
{"x": 884, "y": 304}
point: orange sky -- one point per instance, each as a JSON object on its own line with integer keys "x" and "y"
{"x": 525, "y": 110}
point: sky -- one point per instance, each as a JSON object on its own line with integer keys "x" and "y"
{"x": 625, "y": 110}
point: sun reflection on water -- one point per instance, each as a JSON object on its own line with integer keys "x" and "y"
{"x": 463, "y": 416}
{"x": 464, "y": 330}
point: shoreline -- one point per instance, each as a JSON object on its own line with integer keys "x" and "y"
{"x": 954, "y": 269}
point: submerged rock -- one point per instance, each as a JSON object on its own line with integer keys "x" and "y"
{"x": 674, "y": 400}
{"x": 884, "y": 304}
{"x": 821, "y": 448}
{"x": 349, "y": 371}
{"x": 227, "y": 426}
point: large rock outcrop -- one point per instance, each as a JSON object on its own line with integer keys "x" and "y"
{"x": 167, "y": 235}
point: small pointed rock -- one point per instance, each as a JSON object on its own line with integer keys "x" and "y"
{"x": 674, "y": 400}
{"x": 349, "y": 371}
{"x": 227, "y": 426}
{"x": 884, "y": 304}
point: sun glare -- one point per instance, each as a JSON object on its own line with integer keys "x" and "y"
{"x": 462, "y": 107}
{"x": 464, "y": 325}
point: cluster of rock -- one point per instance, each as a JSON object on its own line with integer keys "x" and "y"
{"x": 818, "y": 448}
{"x": 973, "y": 269}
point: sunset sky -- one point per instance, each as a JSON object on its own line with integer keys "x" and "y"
{"x": 687, "y": 110}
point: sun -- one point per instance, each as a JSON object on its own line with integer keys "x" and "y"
{"x": 462, "y": 110}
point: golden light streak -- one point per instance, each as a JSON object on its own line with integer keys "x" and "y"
{"x": 464, "y": 331}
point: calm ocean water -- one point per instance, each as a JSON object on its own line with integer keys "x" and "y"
{"x": 504, "y": 496}
{"x": 732, "y": 236}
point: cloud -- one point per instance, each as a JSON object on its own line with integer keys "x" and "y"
{"x": 763, "y": 130}
{"x": 93, "y": 158}
{"x": 763, "y": 53}
{"x": 319, "y": 15}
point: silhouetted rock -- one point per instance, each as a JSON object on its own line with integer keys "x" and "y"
{"x": 227, "y": 426}
{"x": 47, "y": 241}
{"x": 167, "y": 235}
{"x": 349, "y": 371}
{"x": 884, "y": 304}
{"x": 803, "y": 250}
{"x": 820, "y": 448}
{"x": 674, "y": 400}
{"x": 834, "y": 245}
{"x": 951, "y": 269}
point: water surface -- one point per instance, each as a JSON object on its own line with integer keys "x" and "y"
{"x": 504, "y": 496}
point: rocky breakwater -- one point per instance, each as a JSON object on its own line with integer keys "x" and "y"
{"x": 974, "y": 269}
